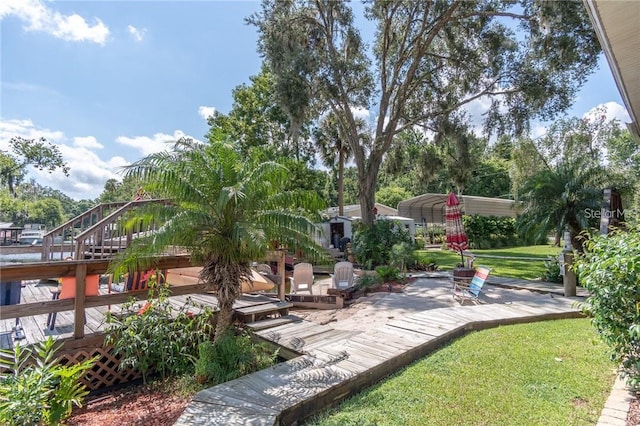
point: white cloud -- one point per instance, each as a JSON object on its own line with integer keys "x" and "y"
{"x": 39, "y": 17}
{"x": 27, "y": 130}
{"x": 138, "y": 34}
{"x": 359, "y": 112}
{"x": 206, "y": 111}
{"x": 148, "y": 145}
{"x": 538, "y": 131}
{"x": 87, "y": 171}
{"x": 613, "y": 110}
{"x": 89, "y": 142}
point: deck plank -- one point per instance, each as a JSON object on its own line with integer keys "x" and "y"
{"x": 35, "y": 328}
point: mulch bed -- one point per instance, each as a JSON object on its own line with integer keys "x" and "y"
{"x": 133, "y": 405}
{"x": 633, "y": 417}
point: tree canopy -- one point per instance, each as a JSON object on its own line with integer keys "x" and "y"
{"x": 226, "y": 211}
{"x": 429, "y": 61}
{"x": 40, "y": 154}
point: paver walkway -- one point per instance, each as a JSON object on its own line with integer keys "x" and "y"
{"x": 343, "y": 356}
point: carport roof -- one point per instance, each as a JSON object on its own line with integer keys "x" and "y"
{"x": 430, "y": 208}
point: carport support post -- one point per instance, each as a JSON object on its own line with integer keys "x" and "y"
{"x": 568, "y": 276}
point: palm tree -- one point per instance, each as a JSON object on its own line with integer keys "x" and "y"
{"x": 562, "y": 195}
{"x": 334, "y": 150}
{"x": 225, "y": 210}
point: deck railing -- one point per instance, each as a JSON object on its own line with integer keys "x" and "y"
{"x": 80, "y": 269}
{"x": 62, "y": 237}
{"x": 96, "y": 233}
{"x": 108, "y": 236}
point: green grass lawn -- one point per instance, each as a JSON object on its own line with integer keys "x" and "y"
{"x": 545, "y": 373}
{"x": 524, "y": 268}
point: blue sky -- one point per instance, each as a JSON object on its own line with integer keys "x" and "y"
{"x": 112, "y": 81}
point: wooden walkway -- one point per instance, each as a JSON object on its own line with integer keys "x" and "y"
{"x": 335, "y": 364}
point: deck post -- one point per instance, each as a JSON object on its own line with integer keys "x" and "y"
{"x": 282, "y": 273}
{"x": 81, "y": 284}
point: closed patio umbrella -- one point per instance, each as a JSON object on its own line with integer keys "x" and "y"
{"x": 454, "y": 229}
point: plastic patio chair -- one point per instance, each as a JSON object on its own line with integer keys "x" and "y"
{"x": 302, "y": 279}
{"x": 67, "y": 290}
{"x": 342, "y": 275}
{"x": 471, "y": 291}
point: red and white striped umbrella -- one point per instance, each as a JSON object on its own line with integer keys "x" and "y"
{"x": 454, "y": 229}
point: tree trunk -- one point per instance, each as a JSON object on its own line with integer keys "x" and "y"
{"x": 367, "y": 197}
{"x": 341, "y": 183}
{"x": 226, "y": 278}
{"x": 224, "y": 319}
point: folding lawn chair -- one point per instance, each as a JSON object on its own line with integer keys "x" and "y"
{"x": 470, "y": 291}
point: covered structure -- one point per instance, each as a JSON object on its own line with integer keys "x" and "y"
{"x": 353, "y": 210}
{"x": 9, "y": 234}
{"x": 430, "y": 208}
{"x": 616, "y": 25}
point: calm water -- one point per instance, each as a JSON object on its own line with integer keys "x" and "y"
{"x": 11, "y": 259}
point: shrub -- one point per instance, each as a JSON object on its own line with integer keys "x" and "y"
{"x": 232, "y": 356}
{"x": 425, "y": 263}
{"x": 402, "y": 256}
{"x": 388, "y": 273}
{"x": 372, "y": 244}
{"x": 486, "y": 232}
{"x": 366, "y": 282}
{"x": 36, "y": 389}
{"x": 552, "y": 272}
{"x": 159, "y": 337}
{"x": 610, "y": 270}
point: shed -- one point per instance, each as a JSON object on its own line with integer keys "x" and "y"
{"x": 430, "y": 208}
{"x": 353, "y": 210}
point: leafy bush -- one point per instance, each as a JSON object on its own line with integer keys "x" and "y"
{"x": 485, "y": 232}
{"x": 552, "y": 272}
{"x": 157, "y": 336}
{"x": 365, "y": 282}
{"x": 424, "y": 262}
{"x": 610, "y": 270}
{"x": 36, "y": 389}
{"x": 388, "y": 273}
{"x": 232, "y": 356}
{"x": 402, "y": 256}
{"x": 372, "y": 244}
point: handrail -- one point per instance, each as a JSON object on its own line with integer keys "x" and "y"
{"x": 80, "y": 269}
{"x": 82, "y": 215}
{"x": 48, "y": 240}
{"x": 125, "y": 207}
{"x": 99, "y": 226}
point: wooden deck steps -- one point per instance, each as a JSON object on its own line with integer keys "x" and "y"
{"x": 272, "y": 322}
{"x": 335, "y": 364}
{"x": 265, "y": 309}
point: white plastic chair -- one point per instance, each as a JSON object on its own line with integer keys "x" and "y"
{"x": 302, "y": 279}
{"x": 342, "y": 275}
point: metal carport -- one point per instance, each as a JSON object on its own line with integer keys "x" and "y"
{"x": 430, "y": 208}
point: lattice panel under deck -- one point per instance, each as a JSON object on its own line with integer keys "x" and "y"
{"x": 105, "y": 372}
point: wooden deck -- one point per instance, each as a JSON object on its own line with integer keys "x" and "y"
{"x": 35, "y": 326}
{"x": 335, "y": 364}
